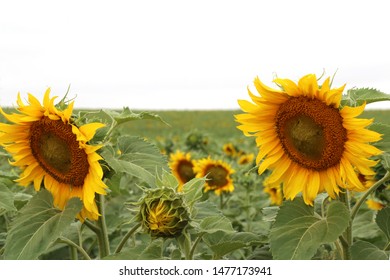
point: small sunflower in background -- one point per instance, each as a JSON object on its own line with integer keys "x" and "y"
{"x": 218, "y": 174}
{"x": 229, "y": 149}
{"x": 182, "y": 167}
{"x": 374, "y": 204}
{"x": 245, "y": 158}
{"x": 274, "y": 191}
{"x": 309, "y": 142}
{"x": 50, "y": 148}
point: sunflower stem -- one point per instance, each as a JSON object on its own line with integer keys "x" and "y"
{"x": 339, "y": 248}
{"x": 347, "y": 239}
{"x": 359, "y": 203}
{"x": 126, "y": 237}
{"x": 104, "y": 245}
{"x": 75, "y": 246}
{"x": 92, "y": 227}
{"x": 192, "y": 251}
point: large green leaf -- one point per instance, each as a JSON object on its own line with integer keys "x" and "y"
{"x": 297, "y": 232}
{"x": 383, "y": 221}
{"x": 215, "y": 223}
{"x": 6, "y": 198}
{"x": 363, "y": 250}
{"x": 193, "y": 191}
{"x": 38, "y": 225}
{"x": 138, "y": 158}
{"x": 142, "y": 251}
{"x": 127, "y": 115}
{"x": 358, "y": 96}
{"x": 222, "y": 243}
{"x": 384, "y": 129}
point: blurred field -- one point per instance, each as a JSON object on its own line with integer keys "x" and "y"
{"x": 216, "y": 124}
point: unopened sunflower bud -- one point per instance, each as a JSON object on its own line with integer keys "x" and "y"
{"x": 163, "y": 213}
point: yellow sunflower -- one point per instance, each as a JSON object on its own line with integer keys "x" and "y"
{"x": 245, "y": 158}
{"x": 274, "y": 191}
{"x": 218, "y": 174}
{"x": 309, "y": 143}
{"x": 375, "y": 205}
{"x": 229, "y": 149}
{"x": 49, "y": 148}
{"x": 182, "y": 167}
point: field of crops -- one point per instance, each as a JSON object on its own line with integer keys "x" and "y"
{"x": 138, "y": 165}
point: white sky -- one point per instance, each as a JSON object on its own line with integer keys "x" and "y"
{"x": 186, "y": 54}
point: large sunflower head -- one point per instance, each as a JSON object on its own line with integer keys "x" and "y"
{"x": 182, "y": 167}
{"x": 49, "y": 148}
{"x": 218, "y": 175}
{"x": 309, "y": 143}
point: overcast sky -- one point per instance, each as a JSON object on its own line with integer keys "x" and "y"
{"x": 186, "y": 54}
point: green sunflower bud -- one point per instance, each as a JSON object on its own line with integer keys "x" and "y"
{"x": 163, "y": 213}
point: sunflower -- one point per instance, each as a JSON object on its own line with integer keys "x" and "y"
{"x": 274, "y": 191}
{"x": 310, "y": 144}
{"x": 375, "y": 205}
{"x": 245, "y": 158}
{"x": 49, "y": 148}
{"x": 218, "y": 174}
{"x": 229, "y": 149}
{"x": 182, "y": 167}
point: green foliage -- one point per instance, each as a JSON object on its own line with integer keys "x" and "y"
{"x": 6, "y": 199}
{"x": 363, "y": 250}
{"x": 136, "y": 157}
{"x": 298, "y": 232}
{"x": 37, "y": 226}
{"x": 383, "y": 221}
{"x": 357, "y": 96}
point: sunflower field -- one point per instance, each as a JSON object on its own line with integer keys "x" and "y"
{"x": 301, "y": 171}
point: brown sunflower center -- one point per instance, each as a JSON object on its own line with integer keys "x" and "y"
{"x": 57, "y": 151}
{"x": 185, "y": 171}
{"x": 217, "y": 176}
{"x": 311, "y": 132}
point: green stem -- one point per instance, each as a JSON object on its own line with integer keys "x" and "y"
{"x": 356, "y": 208}
{"x": 387, "y": 246}
{"x": 73, "y": 253}
{"x": 339, "y": 248}
{"x": 126, "y": 237}
{"x": 347, "y": 239}
{"x": 221, "y": 201}
{"x": 192, "y": 251}
{"x": 74, "y": 245}
{"x": 104, "y": 245}
{"x": 92, "y": 227}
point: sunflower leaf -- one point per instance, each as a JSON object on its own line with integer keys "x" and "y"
{"x": 383, "y": 129}
{"x": 193, "y": 190}
{"x": 215, "y": 223}
{"x": 222, "y": 243}
{"x": 38, "y": 226}
{"x": 297, "y": 233}
{"x": 138, "y": 158}
{"x": 127, "y": 115}
{"x": 383, "y": 221}
{"x": 6, "y": 198}
{"x": 363, "y": 250}
{"x": 357, "y": 96}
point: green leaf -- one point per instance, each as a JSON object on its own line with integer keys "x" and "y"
{"x": 137, "y": 158}
{"x": 6, "y": 198}
{"x": 127, "y": 115}
{"x": 193, "y": 191}
{"x": 222, "y": 243}
{"x": 38, "y": 226}
{"x": 297, "y": 233}
{"x": 363, "y": 250}
{"x": 357, "y": 96}
{"x": 215, "y": 223}
{"x": 386, "y": 161}
{"x": 167, "y": 180}
{"x": 384, "y": 129}
{"x": 364, "y": 226}
{"x": 383, "y": 221}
